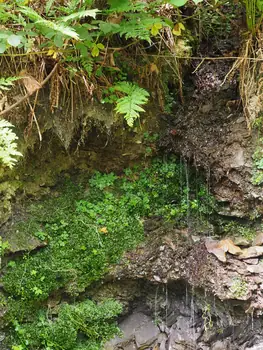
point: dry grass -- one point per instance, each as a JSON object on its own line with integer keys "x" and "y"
{"x": 250, "y": 67}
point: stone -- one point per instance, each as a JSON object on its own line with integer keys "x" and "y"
{"x": 213, "y": 248}
{"x": 240, "y": 241}
{"x": 146, "y": 333}
{"x": 252, "y": 261}
{"x": 251, "y": 252}
{"x": 19, "y": 241}
{"x": 258, "y": 240}
{"x": 255, "y": 347}
{"x": 220, "y": 248}
{"x": 137, "y": 329}
{"x": 220, "y": 345}
{"x": 255, "y": 268}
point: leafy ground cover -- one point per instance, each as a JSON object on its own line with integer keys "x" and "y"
{"x": 87, "y": 228}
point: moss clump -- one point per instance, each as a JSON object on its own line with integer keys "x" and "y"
{"x": 236, "y": 229}
{"x": 94, "y": 321}
{"x": 239, "y": 287}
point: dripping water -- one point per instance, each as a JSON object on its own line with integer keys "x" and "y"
{"x": 186, "y": 295}
{"x": 155, "y": 304}
{"x": 166, "y": 303}
{"x": 192, "y": 315}
{"x": 187, "y": 194}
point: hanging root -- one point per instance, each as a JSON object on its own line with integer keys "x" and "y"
{"x": 250, "y": 67}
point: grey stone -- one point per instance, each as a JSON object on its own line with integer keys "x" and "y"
{"x": 137, "y": 329}
{"x": 220, "y": 345}
{"x": 255, "y": 347}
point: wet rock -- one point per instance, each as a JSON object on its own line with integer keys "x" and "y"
{"x": 22, "y": 241}
{"x": 137, "y": 329}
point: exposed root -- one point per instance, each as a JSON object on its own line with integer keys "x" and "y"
{"x": 250, "y": 67}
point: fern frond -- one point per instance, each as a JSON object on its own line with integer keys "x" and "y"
{"x": 49, "y": 4}
{"x": 8, "y": 145}
{"x": 87, "y": 64}
{"x": 130, "y": 105}
{"x": 80, "y": 14}
{"x": 60, "y": 28}
{"x": 139, "y": 28}
{"x": 7, "y": 83}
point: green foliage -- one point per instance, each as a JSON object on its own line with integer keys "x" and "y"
{"x": 87, "y": 229}
{"x": 4, "y": 246}
{"x": 8, "y": 146}
{"x": 234, "y": 228}
{"x": 95, "y": 322}
{"x": 207, "y": 317}
{"x": 7, "y": 83}
{"x": 130, "y": 105}
{"x": 239, "y": 287}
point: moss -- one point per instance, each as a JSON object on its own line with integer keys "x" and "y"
{"x": 238, "y": 230}
{"x": 87, "y": 227}
{"x": 239, "y": 287}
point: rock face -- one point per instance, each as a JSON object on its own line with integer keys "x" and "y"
{"x": 182, "y": 297}
{"x": 211, "y": 133}
{"x": 175, "y": 317}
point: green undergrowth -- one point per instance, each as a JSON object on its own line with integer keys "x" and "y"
{"x": 87, "y": 227}
{"x": 235, "y": 229}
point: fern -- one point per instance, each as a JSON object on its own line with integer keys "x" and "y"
{"x": 7, "y": 83}
{"x": 125, "y": 6}
{"x": 87, "y": 64}
{"x": 8, "y": 145}
{"x": 80, "y": 14}
{"x": 130, "y": 105}
{"x": 139, "y": 27}
{"x": 58, "y": 27}
{"x": 49, "y": 4}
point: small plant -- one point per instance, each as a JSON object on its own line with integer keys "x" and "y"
{"x": 7, "y": 83}
{"x": 207, "y": 317}
{"x": 238, "y": 287}
{"x": 4, "y": 246}
{"x": 8, "y": 145}
{"x": 235, "y": 229}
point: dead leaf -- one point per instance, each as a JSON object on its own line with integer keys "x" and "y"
{"x": 104, "y": 230}
{"x": 30, "y": 83}
{"x": 154, "y": 68}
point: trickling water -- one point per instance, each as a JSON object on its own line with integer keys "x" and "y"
{"x": 155, "y": 304}
{"x": 166, "y": 303}
{"x": 186, "y": 295}
{"x": 187, "y": 194}
{"x": 192, "y": 315}
{"x": 208, "y": 186}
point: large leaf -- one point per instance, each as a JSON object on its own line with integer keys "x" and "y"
{"x": 14, "y": 40}
{"x": 177, "y": 3}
